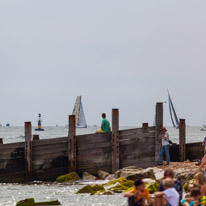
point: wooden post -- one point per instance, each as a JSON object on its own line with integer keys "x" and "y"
{"x": 72, "y": 144}
{"x": 28, "y": 151}
{"x": 1, "y": 141}
{"x": 115, "y": 140}
{"x": 159, "y": 125}
{"x": 145, "y": 125}
{"x": 35, "y": 137}
{"x": 182, "y": 140}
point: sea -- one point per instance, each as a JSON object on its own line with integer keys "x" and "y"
{"x": 41, "y": 191}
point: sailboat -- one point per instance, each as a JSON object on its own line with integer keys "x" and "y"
{"x": 173, "y": 114}
{"x": 79, "y": 113}
{"x": 203, "y": 128}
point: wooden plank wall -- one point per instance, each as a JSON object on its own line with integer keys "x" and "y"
{"x": 12, "y": 162}
{"x": 94, "y": 152}
{"x": 49, "y": 158}
{"x": 137, "y": 147}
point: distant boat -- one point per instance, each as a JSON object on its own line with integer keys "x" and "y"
{"x": 173, "y": 114}
{"x": 203, "y": 128}
{"x": 0, "y": 125}
{"x": 79, "y": 114}
{"x": 7, "y": 125}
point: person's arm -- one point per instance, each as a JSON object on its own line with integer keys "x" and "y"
{"x": 203, "y": 143}
{"x": 102, "y": 126}
{"x": 159, "y": 194}
{"x": 202, "y": 164}
{"x": 129, "y": 194}
{"x": 203, "y": 190}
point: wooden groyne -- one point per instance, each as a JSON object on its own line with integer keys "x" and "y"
{"x": 44, "y": 160}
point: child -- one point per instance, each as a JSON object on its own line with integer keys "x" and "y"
{"x": 140, "y": 194}
{"x": 198, "y": 198}
{"x": 169, "y": 196}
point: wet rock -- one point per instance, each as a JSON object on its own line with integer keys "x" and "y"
{"x": 119, "y": 188}
{"x": 134, "y": 173}
{"x": 70, "y": 177}
{"x": 87, "y": 176}
{"x": 26, "y": 202}
{"x": 111, "y": 177}
{"x": 151, "y": 185}
{"x": 118, "y": 180}
{"x": 91, "y": 189}
{"x": 187, "y": 185}
{"x": 103, "y": 174}
{"x": 184, "y": 175}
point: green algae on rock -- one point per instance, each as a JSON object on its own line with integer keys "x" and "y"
{"x": 31, "y": 202}
{"x": 70, "y": 177}
{"x": 122, "y": 187}
{"x": 151, "y": 185}
{"x": 26, "y": 202}
{"x": 91, "y": 189}
{"x": 186, "y": 185}
{"x": 118, "y": 180}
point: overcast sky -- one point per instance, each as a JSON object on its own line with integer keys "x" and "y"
{"x": 115, "y": 53}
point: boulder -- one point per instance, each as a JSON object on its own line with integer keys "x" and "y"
{"x": 151, "y": 185}
{"x": 118, "y": 180}
{"x": 134, "y": 173}
{"x": 111, "y": 177}
{"x": 119, "y": 188}
{"x": 87, "y": 176}
{"x": 103, "y": 174}
{"x": 70, "y": 177}
{"x": 91, "y": 189}
{"x": 184, "y": 175}
{"x": 159, "y": 173}
{"x": 26, "y": 202}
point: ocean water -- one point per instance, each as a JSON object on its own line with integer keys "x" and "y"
{"x": 11, "y": 193}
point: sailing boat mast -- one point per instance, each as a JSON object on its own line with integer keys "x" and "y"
{"x": 175, "y": 121}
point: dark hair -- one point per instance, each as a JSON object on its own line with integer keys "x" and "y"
{"x": 103, "y": 115}
{"x": 195, "y": 192}
{"x": 138, "y": 182}
{"x": 169, "y": 172}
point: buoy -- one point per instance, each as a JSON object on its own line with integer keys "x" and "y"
{"x": 39, "y": 124}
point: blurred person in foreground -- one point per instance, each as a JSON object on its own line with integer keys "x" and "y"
{"x": 139, "y": 195}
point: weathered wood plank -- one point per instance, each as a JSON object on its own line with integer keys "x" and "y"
{"x": 60, "y": 140}
{"x": 93, "y": 138}
{"x": 11, "y": 146}
{"x": 140, "y": 136}
{"x": 50, "y": 156}
{"x": 94, "y": 146}
{"x": 12, "y": 151}
{"x": 137, "y": 142}
{"x": 135, "y": 131}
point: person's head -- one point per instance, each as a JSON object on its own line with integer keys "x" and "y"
{"x": 200, "y": 179}
{"x": 196, "y": 194}
{"x": 103, "y": 115}
{"x": 139, "y": 184}
{"x": 163, "y": 129}
{"x": 168, "y": 183}
{"x": 169, "y": 173}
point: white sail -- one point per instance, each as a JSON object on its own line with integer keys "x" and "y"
{"x": 79, "y": 114}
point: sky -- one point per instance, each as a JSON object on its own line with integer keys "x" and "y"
{"x": 116, "y": 54}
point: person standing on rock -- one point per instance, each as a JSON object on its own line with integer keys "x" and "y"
{"x": 164, "y": 137}
{"x": 105, "y": 125}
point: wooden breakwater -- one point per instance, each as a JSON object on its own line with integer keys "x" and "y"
{"x": 37, "y": 159}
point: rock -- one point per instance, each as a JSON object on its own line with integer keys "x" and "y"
{"x": 151, "y": 185}
{"x": 104, "y": 193}
{"x": 103, "y": 174}
{"x": 119, "y": 188}
{"x": 26, "y": 202}
{"x": 87, "y": 176}
{"x": 159, "y": 173}
{"x": 91, "y": 189}
{"x": 118, "y": 180}
{"x": 70, "y": 177}
{"x": 30, "y": 202}
{"x": 111, "y": 177}
{"x": 184, "y": 175}
{"x": 134, "y": 173}
{"x": 53, "y": 202}
{"x": 186, "y": 185}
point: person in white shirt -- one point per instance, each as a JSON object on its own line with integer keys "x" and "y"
{"x": 169, "y": 197}
{"x": 164, "y": 137}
